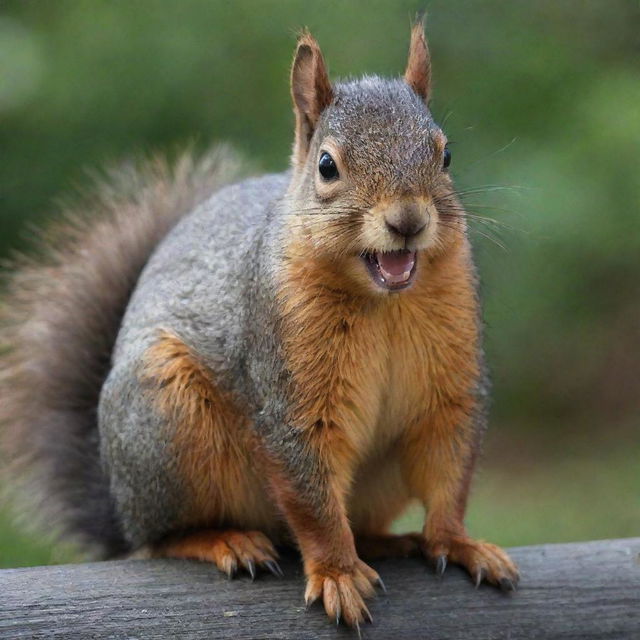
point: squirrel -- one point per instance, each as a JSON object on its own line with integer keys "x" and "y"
{"x": 208, "y": 367}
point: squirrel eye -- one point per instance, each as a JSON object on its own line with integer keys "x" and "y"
{"x": 446, "y": 158}
{"x": 327, "y": 167}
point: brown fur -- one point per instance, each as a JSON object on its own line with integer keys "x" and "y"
{"x": 311, "y": 90}
{"x": 420, "y": 349}
{"x": 418, "y": 72}
{"x": 403, "y": 425}
{"x": 228, "y": 550}
{"x": 214, "y": 448}
{"x": 404, "y": 418}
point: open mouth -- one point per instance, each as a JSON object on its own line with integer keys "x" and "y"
{"x": 391, "y": 270}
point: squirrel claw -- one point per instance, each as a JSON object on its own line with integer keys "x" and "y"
{"x": 484, "y": 561}
{"x": 229, "y": 566}
{"x": 274, "y": 567}
{"x": 227, "y": 549}
{"x": 507, "y": 585}
{"x": 250, "y": 566}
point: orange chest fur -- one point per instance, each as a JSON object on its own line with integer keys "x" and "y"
{"x": 368, "y": 371}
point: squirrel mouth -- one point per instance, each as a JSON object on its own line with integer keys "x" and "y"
{"x": 391, "y": 270}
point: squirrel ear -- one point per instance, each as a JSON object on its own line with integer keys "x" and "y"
{"x": 418, "y": 73}
{"x": 310, "y": 89}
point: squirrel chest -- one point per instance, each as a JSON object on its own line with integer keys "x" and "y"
{"x": 367, "y": 371}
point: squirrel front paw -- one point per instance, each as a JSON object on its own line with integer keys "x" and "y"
{"x": 483, "y": 560}
{"x": 343, "y": 591}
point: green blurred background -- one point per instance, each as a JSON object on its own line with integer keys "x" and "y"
{"x": 542, "y": 104}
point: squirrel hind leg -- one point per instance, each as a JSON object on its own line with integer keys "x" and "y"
{"x": 229, "y": 550}
{"x": 211, "y": 441}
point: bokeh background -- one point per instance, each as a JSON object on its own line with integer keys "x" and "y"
{"x": 542, "y": 104}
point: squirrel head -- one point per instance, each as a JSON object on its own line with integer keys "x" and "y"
{"x": 370, "y": 185}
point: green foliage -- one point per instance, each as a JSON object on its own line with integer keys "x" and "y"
{"x": 540, "y": 101}
{"x": 19, "y": 548}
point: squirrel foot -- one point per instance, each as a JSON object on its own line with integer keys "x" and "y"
{"x": 228, "y": 550}
{"x": 484, "y": 561}
{"x": 343, "y": 592}
{"x": 387, "y": 545}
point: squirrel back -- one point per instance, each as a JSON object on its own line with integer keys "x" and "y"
{"x": 59, "y": 321}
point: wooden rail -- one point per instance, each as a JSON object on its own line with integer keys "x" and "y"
{"x": 580, "y": 591}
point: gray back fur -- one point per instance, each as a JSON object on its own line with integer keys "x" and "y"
{"x": 200, "y": 284}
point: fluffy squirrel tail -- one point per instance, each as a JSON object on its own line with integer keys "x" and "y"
{"x": 59, "y": 318}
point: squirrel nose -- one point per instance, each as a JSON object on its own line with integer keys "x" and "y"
{"x": 406, "y": 221}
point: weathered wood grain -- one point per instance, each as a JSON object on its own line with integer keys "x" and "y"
{"x": 580, "y": 591}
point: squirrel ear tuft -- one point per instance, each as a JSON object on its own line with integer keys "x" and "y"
{"x": 418, "y": 72}
{"x": 310, "y": 89}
